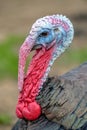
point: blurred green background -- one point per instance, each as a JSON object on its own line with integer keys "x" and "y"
{"x": 16, "y": 19}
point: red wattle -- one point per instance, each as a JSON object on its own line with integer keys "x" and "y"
{"x": 19, "y": 109}
{"x": 31, "y": 112}
{"x": 27, "y": 106}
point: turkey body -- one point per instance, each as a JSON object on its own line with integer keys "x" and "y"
{"x": 64, "y": 99}
{"x": 42, "y": 123}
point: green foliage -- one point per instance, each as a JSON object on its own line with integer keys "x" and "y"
{"x": 5, "y": 119}
{"x": 9, "y": 56}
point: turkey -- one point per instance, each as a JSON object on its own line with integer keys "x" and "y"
{"x": 58, "y": 101}
{"x": 65, "y": 103}
{"x": 49, "y": 36}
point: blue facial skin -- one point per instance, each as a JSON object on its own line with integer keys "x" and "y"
{"x": 46, "y": 36}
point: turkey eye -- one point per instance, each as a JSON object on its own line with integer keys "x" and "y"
{"x": 44, "y": 34}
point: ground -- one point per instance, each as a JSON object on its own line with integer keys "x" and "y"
{"x": 16, "y": 17}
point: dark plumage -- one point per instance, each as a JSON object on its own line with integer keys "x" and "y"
{"x": 64, "y": 101}
{"x": 42, "y": 123}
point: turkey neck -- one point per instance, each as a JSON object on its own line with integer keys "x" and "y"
{"x": 36, "y": 74}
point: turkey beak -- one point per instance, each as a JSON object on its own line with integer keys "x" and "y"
{"x": 37, "y": 46}
{"x": 24, "y": 51}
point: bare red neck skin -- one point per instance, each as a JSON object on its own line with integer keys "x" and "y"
{"x": 27, "y": 107}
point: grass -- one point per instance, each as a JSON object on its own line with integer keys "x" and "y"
{"x": 9, "y": 56}
{"x": 5, "y": 119}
